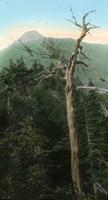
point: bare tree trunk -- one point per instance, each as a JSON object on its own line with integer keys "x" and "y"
{"x": 75, "y": 168}
{"x": 73, "y": 133}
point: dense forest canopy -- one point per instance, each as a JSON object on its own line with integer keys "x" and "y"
{"x": 40, "y": 107}
{"x": 34, "y": 142}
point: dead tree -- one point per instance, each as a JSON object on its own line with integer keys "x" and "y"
{"x": 68, "y": 75}
{"x": 70, "y": 87}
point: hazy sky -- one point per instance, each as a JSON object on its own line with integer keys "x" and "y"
{"x": 48, "y": 17}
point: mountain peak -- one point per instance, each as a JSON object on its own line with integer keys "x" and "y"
{"x": 31, "y": 36}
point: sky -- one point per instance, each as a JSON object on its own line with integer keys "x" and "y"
{"x": 49, "y": 18}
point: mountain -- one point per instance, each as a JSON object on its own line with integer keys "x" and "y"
{"x": 97, "y": 52}
{"x": 32, "y": 39}
{"x": 31, "y": 36}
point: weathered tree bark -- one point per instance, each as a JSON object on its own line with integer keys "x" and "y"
{"x": 75, "y": 169}
{"x": 73, "y": 133}
{"x": 75, "y": 163}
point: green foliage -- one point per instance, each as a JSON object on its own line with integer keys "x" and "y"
{"x": 34, "y": 141}
{"x": 92, "y": 127}
{"x": 23, "y": 157}
{"x": 34, "y": 145}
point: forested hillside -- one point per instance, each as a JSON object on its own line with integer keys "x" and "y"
{"x": 54, "y": 119}
{"x": 34, "y": 142}
{"x": 33, "y": 40}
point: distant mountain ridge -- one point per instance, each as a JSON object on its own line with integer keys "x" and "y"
{"x": 98, "y": 53}
{"x": 31, "y": 36}
{"x": 16, "y": 50}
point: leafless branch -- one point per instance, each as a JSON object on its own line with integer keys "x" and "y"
{"x": 98, "y": 76}
{"x": 93, "y": 27}
{"x": 78, "y": 62}
{"x": 85, "y": 26}
{"x": 85, "y": 57}
{"x": 84, "y": 18}
{"x": 43, "y": 79}
{"x": 47, "y": 76}
{"x": 101, "y": 189}
{"x": 92, "y": 88}
{"x": 73, "y": 21}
